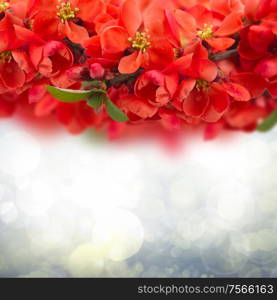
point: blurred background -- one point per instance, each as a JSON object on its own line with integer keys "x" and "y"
{"x": 80, "y": 206}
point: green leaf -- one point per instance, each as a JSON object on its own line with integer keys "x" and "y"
{"x": 114, "y": 112}
{"x": 268, "y": 123}
{"x": 68, "y": 95}
{"x": 96, "y": 101}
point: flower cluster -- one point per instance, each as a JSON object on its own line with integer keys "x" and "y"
{"x": 112, "y": 64}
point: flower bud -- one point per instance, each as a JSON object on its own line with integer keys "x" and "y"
{"x": 96, "y": 71}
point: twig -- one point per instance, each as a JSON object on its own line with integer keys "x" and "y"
{"x": 224, "y": 55}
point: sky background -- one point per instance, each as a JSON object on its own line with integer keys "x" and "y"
{"x": 78, "y": 206}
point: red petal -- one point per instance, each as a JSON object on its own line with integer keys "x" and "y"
{"x": 147, "y": 84}
{"x": 89, "y": 9}
{"x": 160, "y": 55}
{"x": 267, "y": 67}
{"x": 93, "y": 46}
{"x": 250, "y": 10}
{"x": 201, "y": 15}
{"x": 131, "y": 16}
{"x": 36, "y": 92}
{"x": 23, "y": 60}
{"x": 184, "y": 89}
{"x": 137, "y": 106}
{"x": 254, "y": 83}
{"x": 245, "y": 50}
{"x": 77, "y": 34}
{"x": 196, "y": 103}
{"x": 61, "y": 80}
{"x": 211, "y": 115}
{"x": 260, "y": 37}
{"x": 181, "y": 65}
{"x": 11, "y": 75}
{"x": 171, "y": 83}
{"x": 182, "y": 25}
{"x": 36, "y": 54}
{"x": 264, "y": 9}
{"x": 237, "y": 91}
{"x": 45, "y": 106}
{"x": 220, "y": 6}
{"x": 131, "y": 63}
{"x": 114, "y": 39}
{"x": 212, "y": 130}
{"x": 45, "y": 26}
{"x": 162, "y": 97}
{"x": 242, "y": 115}
{"x": 220, "y": 44}
{"x": 230, "y": 25}
{"x": 169, "y": 119}
{"x": 207, "y": 69}
{"x": 219, "y": 98}
{"x": 198, "y": 50}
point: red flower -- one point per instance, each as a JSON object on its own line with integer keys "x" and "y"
{"x": 167, "y": 63}
{"x": 77, "y": 117}
{"x": 52, "y": 60}
{"x": 245, "y": 115}
{"x": 258, "y": 9}
{"x": 255, "y": 41}
{"x": 194, "y": 63}
{"x": 200, "y": 23}
{"x": 15, "y": 66}
{"x": 201, "y": 99}
{"x": 59, "y": 19}
{"x": 129, "y": 33}
{"x": 156, "y": 87}
{"x": 136, "y": 108}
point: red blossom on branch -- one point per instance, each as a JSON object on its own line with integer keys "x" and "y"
{"x": 98, "y": 64}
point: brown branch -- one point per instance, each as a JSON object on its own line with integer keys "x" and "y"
{"x": 224, "y": 55}
{"x": 122, "y": 78}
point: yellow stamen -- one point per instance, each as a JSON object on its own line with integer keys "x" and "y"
{"x": 5, "y": 57}
{"x": 202, "y": 85}
{"x": 206, "y": 33}
{"x": 65, "y": 11}
{"x": 177, "y": 52}
{"x": 4, "y": 6}
{"x": 29, "y": 24}
{"x": 141, "y": 41}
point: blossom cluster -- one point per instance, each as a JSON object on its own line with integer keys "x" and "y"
{"x": 113, "y": 64}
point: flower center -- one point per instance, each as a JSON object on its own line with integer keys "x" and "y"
{"x": 29, "y": 24}
{"x": 65, "y": 11}
{"x": 202, "y": 85}
{"x": 4, "y": 6}
{"x": 206, "y": 33}
{"x": 5, "y": 57}
{"x": 141, "y": 41}
{"x": 177, "y": 52}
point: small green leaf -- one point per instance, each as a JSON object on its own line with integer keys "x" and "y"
{"x": 69, "y": 95}
{"x": 268, "y": 123}
{"x": 96, "y": 101}
{"x": 114, "y": 112}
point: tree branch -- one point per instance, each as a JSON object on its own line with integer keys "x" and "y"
{"x": 224, "y": 55}
{"x": 122, "y": 78}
